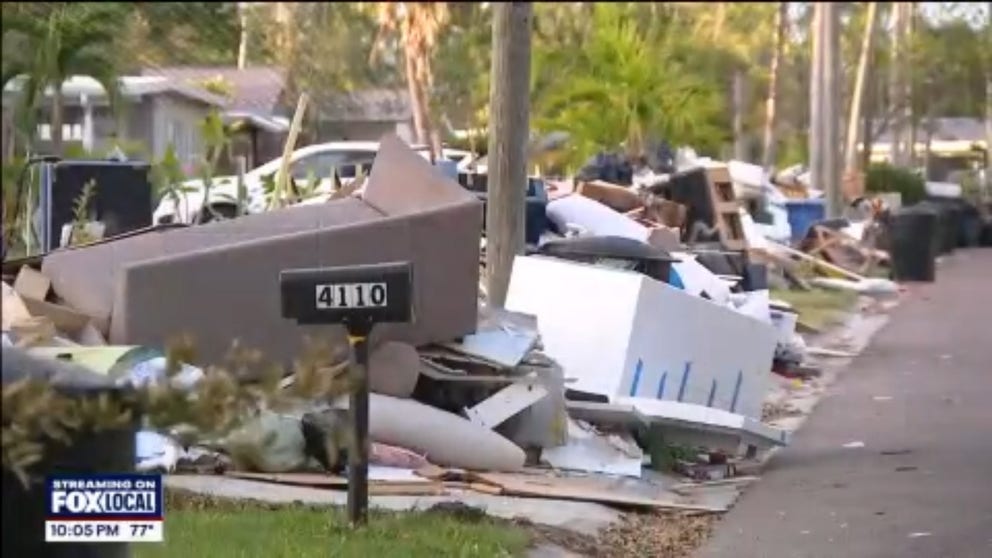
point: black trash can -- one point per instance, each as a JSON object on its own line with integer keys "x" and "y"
{"x": 914, "y": 244}
{"x": 947, "y": 229}
{"x": 111, "y": 451}
{"x": 970, "y": 233}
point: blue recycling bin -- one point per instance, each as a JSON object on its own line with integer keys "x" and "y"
{"x": 802, "y": 215}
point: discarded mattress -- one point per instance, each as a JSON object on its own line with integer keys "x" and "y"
{"x": 621, "y": 334}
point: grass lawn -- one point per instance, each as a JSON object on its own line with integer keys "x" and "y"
{"x": 818, "y": 308}
{"x": 197, "y": 527}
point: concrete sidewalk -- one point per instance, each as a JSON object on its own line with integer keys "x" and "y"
{"x": 896, "y": 461}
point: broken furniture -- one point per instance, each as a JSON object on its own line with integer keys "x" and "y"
{"x": 713, "y": 210}
{"x": 622, "y": 334}
{"x": 219, "y": 281}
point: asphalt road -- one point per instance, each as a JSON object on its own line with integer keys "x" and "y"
{"x": 919, "y": 399}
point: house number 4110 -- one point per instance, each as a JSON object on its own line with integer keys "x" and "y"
{"x": 352, "y": 295}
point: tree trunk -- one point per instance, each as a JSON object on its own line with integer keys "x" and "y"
{"x": 243, "y": 40}
{"x": 988, "y": 134}
{"x": 857, "y": 97}
{"x": 509, "y": 109}
{"x": 909, "y": 89}
{"x": 739, "y": 104}
{"x": 416, "y": 99}
{"x": 57, "y": 102}
{"x": 868, "y": 124}
{"x": 768, "y": 145}
{"x": 895, "y": 85}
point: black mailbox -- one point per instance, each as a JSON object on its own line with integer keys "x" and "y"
{"x": 354, "y": 296}
{"x": 357, "y": 297}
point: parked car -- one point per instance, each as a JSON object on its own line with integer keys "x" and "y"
{"x": 313, "y": 162}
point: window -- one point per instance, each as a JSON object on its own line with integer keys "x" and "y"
{"x": 70, "y": 132}
{"x": 320, "y": 165}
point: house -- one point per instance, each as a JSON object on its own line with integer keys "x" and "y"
{"x": 153, "y": 114}
{"x": 254, "y": 101}
{"x": 955, "y": 143}
{"x": 258, "y": 98}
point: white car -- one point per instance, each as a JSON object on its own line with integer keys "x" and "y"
{"x": 311, "y": 161}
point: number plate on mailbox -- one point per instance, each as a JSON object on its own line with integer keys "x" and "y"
{"x": 352, "y": 295}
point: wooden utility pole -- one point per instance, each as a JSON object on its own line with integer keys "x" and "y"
{"x": 509, "y": 129}
{"x": 815, "y": 105}
{"x": 831, "y": 109}
{"x": 858, "y": 97}
{"x": 768, "y": 145}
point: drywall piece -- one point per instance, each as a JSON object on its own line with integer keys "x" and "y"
{"x": 505, "y": 403}
{"x": 443, "y": 438}
{"x": 502, "y": 338}
{"x": 620, "y": 334}
{"x": 592, "y": 452}
{"x": 697, "y": 279}
{"x": 706, "y": 422}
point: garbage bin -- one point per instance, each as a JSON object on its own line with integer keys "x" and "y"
{"x": 535, "y": 204}
{"x": 913, "y": 244}
{"x": 970, "y": 233}
{"x": 802, "y": 215}
{"x": 110, "y": 451}
{"x": 947, "y": 236}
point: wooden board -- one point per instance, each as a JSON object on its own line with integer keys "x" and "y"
{"x": 584, "y": 490}
{"x": 319, "y": 480}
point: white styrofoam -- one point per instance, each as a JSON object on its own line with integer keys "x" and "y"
{"x": 622, "y": 334}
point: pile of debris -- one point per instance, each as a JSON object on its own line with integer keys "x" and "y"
{"x": 638, "y": 337}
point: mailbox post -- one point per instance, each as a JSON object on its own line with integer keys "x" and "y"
{"x": 357, "y": 297}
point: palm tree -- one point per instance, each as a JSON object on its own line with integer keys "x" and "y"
{"x": 418, "y": 25}
{"x": 44, "y": 48}
{"x": 623, "y": 89}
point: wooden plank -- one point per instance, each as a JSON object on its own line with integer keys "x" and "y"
{"x": 819, "y": 262}
{"x": 581, "y": 489}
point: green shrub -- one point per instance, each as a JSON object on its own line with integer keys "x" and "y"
{"x": 884, "y": 177}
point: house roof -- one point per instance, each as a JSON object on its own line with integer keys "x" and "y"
{"x": 130, "y": 86}
{"x": 371, "y": 105}
{"x": 256, "y": 90}
{"x": 952, "y": 128}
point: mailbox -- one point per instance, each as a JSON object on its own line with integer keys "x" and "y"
{"x": 355, "y": 296}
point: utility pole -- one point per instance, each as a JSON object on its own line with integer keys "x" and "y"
{"x": 815, "y": 105}
{"x": 831, "y": 109}
{"x": 509, "y": 129}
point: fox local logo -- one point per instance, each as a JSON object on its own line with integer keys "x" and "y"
{"x": 125, "y": 496}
